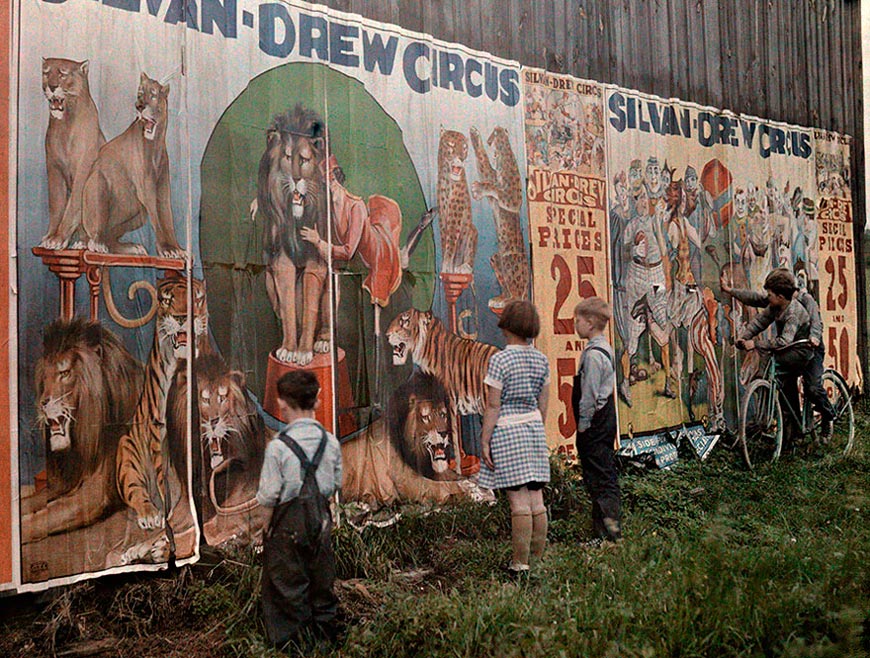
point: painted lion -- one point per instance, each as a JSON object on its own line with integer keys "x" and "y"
{"x": 407, "y": 455}
{"x": 291, "y": 195}
{"x": 460, "y": 364}
{"x": 420, "y": 427}
{"x": 87, "y": 388}
{"x": 232, "y": 433}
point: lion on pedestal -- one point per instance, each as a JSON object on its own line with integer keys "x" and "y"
{"x": 291, "y": 195}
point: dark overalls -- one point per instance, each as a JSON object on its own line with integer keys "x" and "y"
{"x": 597, "y": 457}
{"x": 298, "y": 562}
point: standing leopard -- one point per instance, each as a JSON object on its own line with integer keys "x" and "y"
{"x": 501, "y": 185}
{"x": 458, "y": 234}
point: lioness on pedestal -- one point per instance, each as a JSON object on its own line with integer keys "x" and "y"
{"x": 129, "y": 181}
{"x": 291, "y": 194}
{"x": 72, "y": 142}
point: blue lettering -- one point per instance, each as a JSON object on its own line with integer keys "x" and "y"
{"x": 413, "y": 52}
{"x": 654, "y": 118}
{"x": 642, "y": 124}
{"x": 804, "y": 148}
{"x": 491, "y": 81}
{"x": 670, "y": 124}
{"x": 451, "y": 68}
{"x": 341, "y": 46}
{"x": 510, "y": 87}
{"x": 221, "y": 14}
{"x": 764, "y": 148}
{"x": 126, "y": 5}
{"x": 269, "y": 15}
{"x": 375, "y": 52}
{"x": 706, "y": 129}
{"x": 748, "y": 129}
{"x": 474, "y": 89}
{"x": 308, "y": 43}
{"x": 616, "y": 103}
{"x": 631, "y": 111}
{"x": 177, "y": 10}
{"x": 725, "y": 130}
{"x": 777, "y": 141}
{"x": 154, "y": 6}
{"x": 686, "y": 123}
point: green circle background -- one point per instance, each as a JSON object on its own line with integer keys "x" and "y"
{"x": 370, "y": 149}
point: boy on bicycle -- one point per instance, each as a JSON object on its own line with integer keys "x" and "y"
{"x": 812, "y": 374}
{"x": 792, "y": 324}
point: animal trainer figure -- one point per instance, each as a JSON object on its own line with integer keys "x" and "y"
{"x": 129, "y": 181}
{"x": 291, "y": 195}
{"x": 72, "y": 142}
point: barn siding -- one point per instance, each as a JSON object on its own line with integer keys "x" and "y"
{"x": 797, "y": 61}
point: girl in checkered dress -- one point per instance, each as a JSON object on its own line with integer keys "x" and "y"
{"x": 514, "y": 446}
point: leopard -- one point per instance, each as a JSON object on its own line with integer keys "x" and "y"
{"x": 458, "y": 233}
{"x": 500, "y": 184}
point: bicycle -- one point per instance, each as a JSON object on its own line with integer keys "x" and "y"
{"x": 761, "y": 414}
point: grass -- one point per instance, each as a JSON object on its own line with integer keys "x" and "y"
{"x": 717, "y": 561}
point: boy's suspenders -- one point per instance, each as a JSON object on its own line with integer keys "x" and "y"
{"x": 575, "y": 389}
{"x": 309, "y": 486}
{"x": 598, "y": 348}
{"x": 307, "y": 464}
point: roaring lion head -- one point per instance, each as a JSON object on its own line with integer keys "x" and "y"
{"x": 152, "y": 106}
{"x": 420, "y": 426}
{"x": 232, "y": 433}
{"x": 87, "y": 388}
{"x": 290, "y": 189}
{"x": 63, "y": 82}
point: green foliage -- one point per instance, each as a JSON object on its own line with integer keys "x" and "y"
{"x": 717, "y": 561}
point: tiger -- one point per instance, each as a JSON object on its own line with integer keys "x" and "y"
{"x": 459, "y": 363}
{"x": 141, "y": 452}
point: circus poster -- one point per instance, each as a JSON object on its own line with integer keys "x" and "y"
{"x": 8, "y": 471}
{"x": 836, "y": 255}
{"x": 423, "y": 232}
{"x": 570, "y": 240}
{"x": 697, "y": 194}
{"x": 248, "y": 193}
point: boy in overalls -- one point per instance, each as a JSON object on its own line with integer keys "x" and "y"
{"x": 595, "y": 412}
{"x": 301, "y": 469}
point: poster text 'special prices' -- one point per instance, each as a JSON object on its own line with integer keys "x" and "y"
{"x": 837, "y": 278}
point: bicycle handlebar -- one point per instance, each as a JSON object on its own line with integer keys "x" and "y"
{"x": 798, "y": 343}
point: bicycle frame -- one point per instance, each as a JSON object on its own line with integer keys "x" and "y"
{"x": 803, "y": 418}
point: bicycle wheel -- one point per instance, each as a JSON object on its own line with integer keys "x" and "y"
{"x": 760, "y": 424}
{"x": 838, "y": 394}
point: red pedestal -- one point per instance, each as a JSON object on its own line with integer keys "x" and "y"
{"x": 454, "y": 285}
{"x": 321, "y": 366}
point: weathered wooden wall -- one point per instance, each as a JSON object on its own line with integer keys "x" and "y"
{"x": 797, "y": 61}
